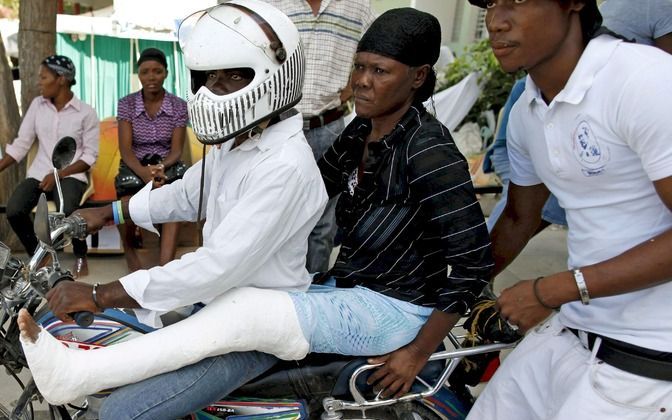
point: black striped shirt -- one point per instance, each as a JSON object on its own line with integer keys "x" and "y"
{"x": 412, "y": 227}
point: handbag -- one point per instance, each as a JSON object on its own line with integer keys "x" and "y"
{"x": 175, "y": 172}
{"x": 128, "y": 182}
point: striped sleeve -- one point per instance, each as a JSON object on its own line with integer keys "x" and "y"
{"x": 330, "y": 166}
{"x": 439, "y": 179}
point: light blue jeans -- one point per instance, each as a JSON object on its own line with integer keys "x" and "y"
{"x": 551, "y": 212}
{"x": 357, "y": 321}
{"x": 321, "y": 239}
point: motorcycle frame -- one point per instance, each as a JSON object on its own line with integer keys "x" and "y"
{"x": 333, "y": 408}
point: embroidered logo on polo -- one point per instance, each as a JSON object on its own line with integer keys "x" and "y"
{"x": 588, "y": 151}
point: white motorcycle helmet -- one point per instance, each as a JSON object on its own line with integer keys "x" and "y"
{"x": 241, "y": 34}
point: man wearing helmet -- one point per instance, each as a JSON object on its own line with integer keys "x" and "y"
{"x": 593, "y": 128}
{"x": 262, "y": 192}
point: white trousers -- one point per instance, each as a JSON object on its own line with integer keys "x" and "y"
{"x": 551, "y": 376}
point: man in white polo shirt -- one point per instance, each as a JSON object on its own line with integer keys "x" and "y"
{"x": 592, "y": 127}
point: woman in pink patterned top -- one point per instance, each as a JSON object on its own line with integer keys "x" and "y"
{"x": 152, "y": 130}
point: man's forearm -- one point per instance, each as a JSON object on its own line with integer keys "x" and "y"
{"x": 644, "y": 266}
{"x": 509, "y": 237}
{"x": 75, "y": 168}
{"x": 6, "y": 162}
{"x": 517, "y": 224}
{"x": 113, "y": 295}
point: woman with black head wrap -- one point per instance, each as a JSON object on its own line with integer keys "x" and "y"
{"x": 412, "y": 227}
{"x": 415, "y": 251}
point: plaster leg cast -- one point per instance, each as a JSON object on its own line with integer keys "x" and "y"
{"x": 240, "y": 320}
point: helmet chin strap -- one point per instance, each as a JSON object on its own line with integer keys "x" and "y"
{"x": 255, "y": 131}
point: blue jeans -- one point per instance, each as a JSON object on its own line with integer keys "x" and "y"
{"x": 176, "y": 394}
{"x": 551, "y": 212}
{"x": 321, "y": 239}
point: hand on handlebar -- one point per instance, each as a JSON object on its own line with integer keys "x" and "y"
{"x": 519, "y": 306}
{"x": 96, "y": 218}
{"x": 397, "y": 374}
{"x": 69, "y": 297}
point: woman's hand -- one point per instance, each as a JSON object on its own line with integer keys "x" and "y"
{"x": 158, "y": 175}
{"x": 397, "y": 374}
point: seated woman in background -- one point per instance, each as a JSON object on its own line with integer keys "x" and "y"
{"x": 152, "y": 129}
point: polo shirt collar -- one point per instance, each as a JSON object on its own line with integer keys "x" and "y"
{"x": 594, "y": 58}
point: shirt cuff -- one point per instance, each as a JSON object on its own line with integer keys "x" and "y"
{"x": 88, "y": 159}
{"x": 139, "y": 209}
{"x": 135, "y": 284}
{"x": 149, "y": 317}
{"x": 15, "y": 152}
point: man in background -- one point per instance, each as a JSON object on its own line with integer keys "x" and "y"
{"x": 648, "y": 22}
{"x": 330, "y": 30}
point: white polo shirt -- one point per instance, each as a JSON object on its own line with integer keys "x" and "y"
{"x": 598, "y": 146}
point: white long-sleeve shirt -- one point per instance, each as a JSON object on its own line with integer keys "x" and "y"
{"x": 262, "y": 200}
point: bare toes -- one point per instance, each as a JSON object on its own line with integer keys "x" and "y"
{"x": 29, "y": 329}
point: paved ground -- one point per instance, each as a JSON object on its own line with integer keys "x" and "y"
{"x": 545, "y": 254}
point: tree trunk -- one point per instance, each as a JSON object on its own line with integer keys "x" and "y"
{"x": 37, "y": 40}
{"x": 9, "y": 125}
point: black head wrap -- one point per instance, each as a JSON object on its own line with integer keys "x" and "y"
{"x": 62, "y": 66}
{"x": 153, "y": 54}
{"x": 407, "y": 35}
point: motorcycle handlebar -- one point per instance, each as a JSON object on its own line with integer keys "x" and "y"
{"x": 76, "y": 226}
{"x": 82, "y": 318}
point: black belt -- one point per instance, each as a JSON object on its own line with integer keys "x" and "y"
{"x": 630, "y": 358}
{"x": 323, "y": 119}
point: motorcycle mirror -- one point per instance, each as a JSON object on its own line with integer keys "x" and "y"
{"x": 41, "y": 223}
{"x": 64, "y": 152}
